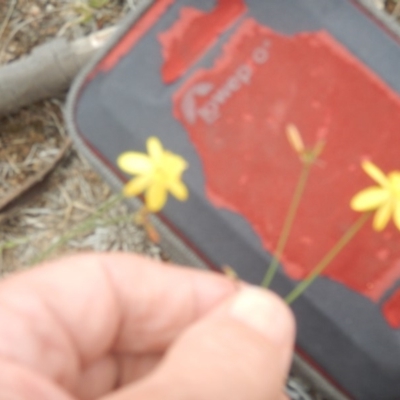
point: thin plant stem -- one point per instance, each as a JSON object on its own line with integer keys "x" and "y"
{"x": 12, "y": 244}
{"x": 86, "y": 224}
{"x": 336, "y": 249}
{"x": 287, "y": 226}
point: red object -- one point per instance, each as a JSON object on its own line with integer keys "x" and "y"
{"x": 236, "y": 114}
{"x": 190, "y": 37}
{"x": 234, "y": 103}
{"x": 391, "y": 310}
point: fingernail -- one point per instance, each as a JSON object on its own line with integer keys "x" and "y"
{"x": 262, "y": 312}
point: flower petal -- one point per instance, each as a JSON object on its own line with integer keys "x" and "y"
{"x": 382, "y": 216}
{"x": 179, "y": 190}
{"x": 154, "y": 148}
{"x": 396, "y": 214}
{"x": 369, "y": 199}
{"x": 374, "y": 172}
{"x": 394, "y": 180}
{"x": 295, "y": 139}
{"x": 136, "y": 186}
{"x": 134, "y": 163}
{"x": 156, "y": 196}
{"x": 173, "y": 165}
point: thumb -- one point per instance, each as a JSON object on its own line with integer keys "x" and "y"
{"x": 241, "y": 350}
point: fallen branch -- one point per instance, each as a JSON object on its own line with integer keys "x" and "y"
{"x": 47, "y": 71}
{"x": 6, "y": 20}
{"x": 16, "y": 196}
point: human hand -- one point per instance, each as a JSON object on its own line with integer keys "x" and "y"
{"x": 118, "y": 326}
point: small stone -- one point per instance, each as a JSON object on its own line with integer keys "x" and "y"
{"x": 34, "y": 10}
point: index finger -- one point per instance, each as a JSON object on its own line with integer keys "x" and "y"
{"x": 70, "y": 313}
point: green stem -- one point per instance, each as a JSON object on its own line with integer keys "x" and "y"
{"x": 287, "y": 226}
{"x": 86, "y": 224}
{"x": 336, "y": 249}
{"x": 11, "y": 245}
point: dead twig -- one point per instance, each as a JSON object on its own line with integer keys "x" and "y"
{"x": 11, "y": 9}
{"x": 9, "y": 200}
{"x": 21, "y": 26}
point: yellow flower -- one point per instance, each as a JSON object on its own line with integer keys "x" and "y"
{"x": 385, "y": 198}
{"x": 156, "y": 173}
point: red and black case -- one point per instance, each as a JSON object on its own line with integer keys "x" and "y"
{"x": 218, "y": 81}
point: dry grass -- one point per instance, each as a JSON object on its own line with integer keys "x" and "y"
{"x": 29, "y": 141}
{"x": 28, "y": 23}
{"x": 32, "y": 138}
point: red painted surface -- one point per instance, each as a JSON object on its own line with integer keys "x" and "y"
{"x": 141, "y": 27}
{"x": 391, "y": 310}
{"x": 196, "y": 31}
{"x": 236, "y": 114}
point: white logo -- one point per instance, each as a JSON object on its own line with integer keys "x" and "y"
{"x": 189, "y": 103}
{"x": 209, "y": 112}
